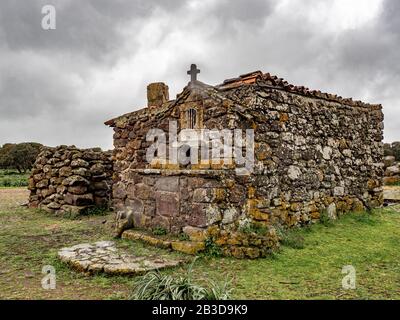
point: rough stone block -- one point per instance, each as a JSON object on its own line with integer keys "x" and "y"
{"x": 167, "y": 203}
{"x": 170, "y": 184}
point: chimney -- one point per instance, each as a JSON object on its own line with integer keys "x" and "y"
{"x": 157, "y": 94}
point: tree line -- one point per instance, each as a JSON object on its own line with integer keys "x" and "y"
{"x": 19, "y": 156}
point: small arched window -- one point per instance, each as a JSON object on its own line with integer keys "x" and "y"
{"x": 191, "y": 115}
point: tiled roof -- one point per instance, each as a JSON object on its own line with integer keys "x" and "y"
{"x": 268, "y": 80}
{"x": 263, "y": 80}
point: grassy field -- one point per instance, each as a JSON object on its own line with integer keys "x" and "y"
{"x": 29, "y": 240}
{"x": 13, "y": 179}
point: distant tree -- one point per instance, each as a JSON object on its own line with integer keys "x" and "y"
{"x": 396, "y": 150}
{"x": 19, "y": 156}
{"x": 387, "y": 148}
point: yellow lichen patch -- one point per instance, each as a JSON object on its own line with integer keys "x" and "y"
{"x": 251, "y": 191}
{"x": 202, "y": 165}
{"x": 220, "y": 194}
{"x": 255, "y": 212}
{"x": 213, "y": 231}
{"x": 372, "y": 184}
{"x": 358, "y": 206}
{"x": 295, "y": 206}
{"x": 230, "y": 183}
{"x": 283, "y": 117}
{"x": 315, "y": 215}
{"x": 188, "y": 247}
{"x": 170, "y": 166}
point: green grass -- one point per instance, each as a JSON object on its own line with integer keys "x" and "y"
{"x": 308, "y": 266}
{"x": 369, "y": 242}
{"x": 395, "y": 184}
{"x": 13, "y": 179}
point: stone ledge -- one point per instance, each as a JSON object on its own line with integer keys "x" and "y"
{"x": 104, "y": 257}
{"x": 169, "y": 172}
{"x": 188, "y": 247}
{"x": 391, "y": 194}
{"x": 142, "y": 236}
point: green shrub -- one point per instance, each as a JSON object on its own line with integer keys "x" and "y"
{"x": 211, "y": 248}
{"x": 159, "y": 231}
{"x": 156, "y": 286}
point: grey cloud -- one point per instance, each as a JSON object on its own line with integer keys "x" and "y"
{"x": 47, "y": 78}
{"x": 86, "y": 27}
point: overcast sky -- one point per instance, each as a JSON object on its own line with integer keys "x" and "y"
{"x": 59, "y": 86}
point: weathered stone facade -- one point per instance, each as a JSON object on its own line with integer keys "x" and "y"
{"x": 314, "y": 153}
{"x": 71, "y": 180}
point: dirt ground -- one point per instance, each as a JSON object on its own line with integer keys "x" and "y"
{"x": 12, "y": 197}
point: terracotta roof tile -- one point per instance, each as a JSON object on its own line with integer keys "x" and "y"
{"x": 279, "y": 83}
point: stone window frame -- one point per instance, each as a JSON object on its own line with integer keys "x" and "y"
{"x": 185, "y": 119}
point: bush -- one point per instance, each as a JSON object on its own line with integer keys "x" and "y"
{"x": 155, "y": 286}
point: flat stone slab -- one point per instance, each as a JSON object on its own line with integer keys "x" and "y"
{"x": 391, "y": 193}
{"x": 104, "y": 256}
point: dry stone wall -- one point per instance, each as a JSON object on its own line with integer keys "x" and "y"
{"x": 71, "y": 180}
{"x": 392, "y": 171}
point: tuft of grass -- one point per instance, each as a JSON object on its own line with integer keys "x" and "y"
{"x": 97, "y": 211}
{"x": 325, "y": 220}
{"x": 291, "y": 238}
{"x": 256, "y": 228}
{"x": 211, "y": 248}
{"x": 183, "y": 237}
{"x": 157, "y": 286}
{"x": 159, "y": 231}
{"x": 365, "y": 217}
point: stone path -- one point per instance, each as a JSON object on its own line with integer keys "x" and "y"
{"x": 105, "y": 257}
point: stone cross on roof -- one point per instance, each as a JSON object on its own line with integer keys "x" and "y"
{"x": 193, "y": 73}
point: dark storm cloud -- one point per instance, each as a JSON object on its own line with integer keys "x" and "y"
{"x": 57, "y": 87}
{"x": 86, "y": 26}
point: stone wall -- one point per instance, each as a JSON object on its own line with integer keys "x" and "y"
{"x": 392, "y": 171}
{"x": 314, "y": 155}
{"x": 71, "y": 180}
